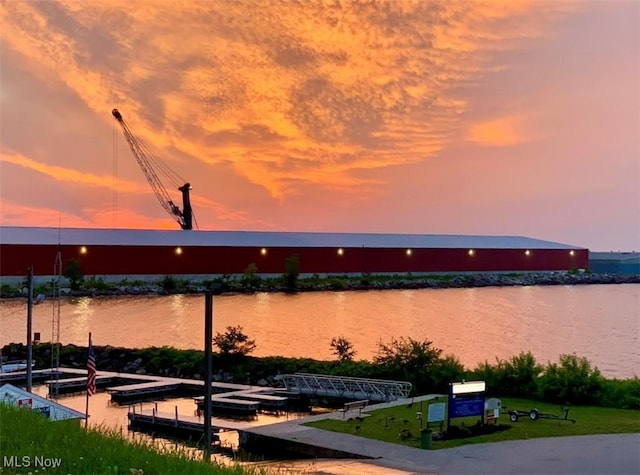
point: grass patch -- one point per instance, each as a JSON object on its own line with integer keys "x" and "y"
{"x": 388, "y": 424}
{"x": 24, "y": 433}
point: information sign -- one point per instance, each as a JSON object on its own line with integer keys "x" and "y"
{"x": 461, "y": 406}
{"x": 436, "y": 412}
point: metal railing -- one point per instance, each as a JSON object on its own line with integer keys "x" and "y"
{"x": 346, "y": 387}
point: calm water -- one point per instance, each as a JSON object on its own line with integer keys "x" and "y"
{"x": 600, "y": 322}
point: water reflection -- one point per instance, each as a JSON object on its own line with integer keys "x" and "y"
{"x": 599, "y": 322}
{"x": 112, "y": 417}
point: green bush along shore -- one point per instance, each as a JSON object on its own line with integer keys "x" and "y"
{"x": 571, "y": 380}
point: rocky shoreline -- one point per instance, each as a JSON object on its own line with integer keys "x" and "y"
{"x": 343, "y": 283}
{"x": 378, "y": 283}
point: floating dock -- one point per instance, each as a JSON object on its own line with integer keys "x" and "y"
{"x": 141, "y": 391}
{"x": 179, "y": 425}
{"x": 265, "y": 402}
{"x": 76, "y": 385}
{"x": 152, "y": 387}
{"x": 233, "y": 407}
{"x": 37, "y": 375}
{"x": 185, "y": 427}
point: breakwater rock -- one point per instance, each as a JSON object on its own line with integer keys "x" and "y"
{"x": 236, "y": 285}
{"x": 370, "y": 282}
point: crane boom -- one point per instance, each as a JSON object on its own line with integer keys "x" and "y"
{"x": 145, "y": 159}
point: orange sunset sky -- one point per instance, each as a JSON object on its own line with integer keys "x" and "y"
{"x": 429, "y": 117}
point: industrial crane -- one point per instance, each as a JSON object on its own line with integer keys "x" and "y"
{"x": 147, "y": 161}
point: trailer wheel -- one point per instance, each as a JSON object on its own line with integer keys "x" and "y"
{"x": 534, "y": 414}
{"x": 514, "y": 417}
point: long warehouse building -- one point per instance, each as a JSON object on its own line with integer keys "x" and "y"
{"x": 114, "y": 254}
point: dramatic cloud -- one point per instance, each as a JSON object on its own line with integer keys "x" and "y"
{"x": 296, "y": 91}
{"x": 262, "y": 104}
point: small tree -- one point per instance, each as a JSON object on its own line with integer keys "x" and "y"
{"x": 409, "y": 359}
{"x": 73, "y": 272}
{"x": 234, "y": 342}
{"x": 291, "y": 272}
{"x": 251, "y": 277}
{"x": 343, "y": 349}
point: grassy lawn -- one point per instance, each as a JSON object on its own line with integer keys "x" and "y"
{"x": 28, "y": 439}
{"x": 387, "y": 424}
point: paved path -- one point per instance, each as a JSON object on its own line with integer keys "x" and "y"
{"x": 608, "y": 454}
{"x": 591, "y": 454}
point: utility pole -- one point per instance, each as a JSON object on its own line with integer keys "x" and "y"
{"x": 29, "y": 328}
{"x": 208, "y": 342}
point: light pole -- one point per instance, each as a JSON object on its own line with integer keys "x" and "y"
{"x": 208, "y": 341}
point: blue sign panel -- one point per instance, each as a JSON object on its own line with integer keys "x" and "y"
{"x": 466, "y": 406}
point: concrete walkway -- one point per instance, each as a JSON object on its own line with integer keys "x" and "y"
{"x": 608, "y": 454}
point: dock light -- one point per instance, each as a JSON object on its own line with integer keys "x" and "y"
{"x": 83, "y": 249}
{"x": 527, "y": 252}
{"x": 409, "y": 252}
{"x": 471, "y": 252}
{"x": 263, "y": 251}
{"x": 340, "y": 251}
{"x": 572, "y": 252}
{"x": 178, "y": 251}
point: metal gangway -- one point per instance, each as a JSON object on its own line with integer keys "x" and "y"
{"x": 346, "y": 387}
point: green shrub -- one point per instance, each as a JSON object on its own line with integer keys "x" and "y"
{"x": 621, "y": 393}
{"x": 172, "y": 285}
{"x": 7, "y": 291}
{"x": 517, "y": 377}
{"x": 73, "y": 272}
{"x": 291, "y": 272}
{"x": 573, "y": 381}
{"x": 444, "y": 371}
{"x": 97, "y": 283}
{"x": 337, "y": 283}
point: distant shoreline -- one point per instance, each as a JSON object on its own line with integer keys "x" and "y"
{"x": 172, "y": 285}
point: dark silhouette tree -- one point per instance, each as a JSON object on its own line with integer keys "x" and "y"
{"x": 291, "y": 272}
{"x": 343, "y": 349}
{"x": 233, "y": 342}
{"x": 73, "y": 272}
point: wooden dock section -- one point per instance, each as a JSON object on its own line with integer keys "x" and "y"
{"x": 141, "y": 391}
{"x": 266, "y": 402}
{"x": 179, "y": 425}
{"x": 76, "y": 385}
{"x": 234, "y": 407}
{"x": 20, "y": 377}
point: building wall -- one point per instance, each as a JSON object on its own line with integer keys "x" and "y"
{"x": 622, "y": 267}
{"x": 105, "y": 260}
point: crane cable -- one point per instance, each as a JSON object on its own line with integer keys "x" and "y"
{"x": 159, "y": 166}
{"x": 114, "y": 176}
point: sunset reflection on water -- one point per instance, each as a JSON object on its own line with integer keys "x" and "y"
{"x": 599, "y": 322}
